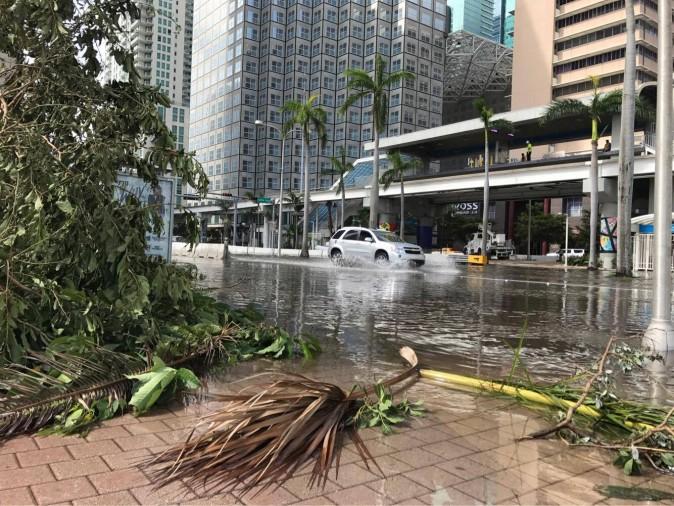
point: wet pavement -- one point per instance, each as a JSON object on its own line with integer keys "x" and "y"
{"x": 460, "y": 319}
{"x": 464, "y": 451}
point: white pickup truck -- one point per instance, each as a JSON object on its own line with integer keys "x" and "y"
{"x": 497, "y": 245}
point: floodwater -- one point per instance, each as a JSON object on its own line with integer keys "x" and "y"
{"x": 457, "y": 318}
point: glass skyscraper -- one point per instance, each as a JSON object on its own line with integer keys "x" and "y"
{"x": 474, "y": 16}
{"x": 250, "y": 56}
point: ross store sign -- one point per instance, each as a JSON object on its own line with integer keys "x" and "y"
{"x": 162, "y": 197}
{"x": 465, "y": 208}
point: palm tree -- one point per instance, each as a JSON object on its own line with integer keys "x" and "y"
{"x": 339, "y": 168}
{"x": 626, "y": 154}
{"x": 396, "y": 172}
{"x": 252, "y": 217}
{"x": 310, "y": 117}
{"x": 378, "y": 86}
{"x": 297, "y": 203}
{"x": 600, "y": 108}
{"x": 500, "y": 125}
{"x": 331, "y": 225}
{"x": 225, "y": 205}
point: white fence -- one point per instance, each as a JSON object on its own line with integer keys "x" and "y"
{"x": 642, "y": 252}
{"x": 216, "y": 251}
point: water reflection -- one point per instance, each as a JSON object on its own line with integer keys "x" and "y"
{"x": 464, "y": 320}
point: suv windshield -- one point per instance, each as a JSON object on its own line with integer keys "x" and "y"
{"x": 382, "y": 235}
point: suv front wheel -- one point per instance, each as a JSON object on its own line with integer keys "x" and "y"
{"x": 336, "y": 256}
{"x": 381, "y": 258}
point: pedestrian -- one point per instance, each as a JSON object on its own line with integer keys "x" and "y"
{"x": 524, "y": 159}
{"x": 530, "y": 148}
{"x": 607, "y": 146}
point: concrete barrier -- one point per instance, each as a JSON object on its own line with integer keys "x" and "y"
{"x": 216, "y": 251}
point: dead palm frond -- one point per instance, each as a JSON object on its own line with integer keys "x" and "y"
{"x": 260, "y": 440}
{"x": 31, "y": 396}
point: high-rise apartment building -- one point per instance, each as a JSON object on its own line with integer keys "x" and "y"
{"x": 561, "y": 43}
{"x": 474, "y": 16}
{"x": 161, "y": 42}
{"x": 250, "y": 56}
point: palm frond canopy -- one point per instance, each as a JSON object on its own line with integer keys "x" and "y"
{"x": 308, "y": 116}
{"x": 644, "y": 110}
{"x": 565, "y": 108}
{"x": 398, "y": 165}
{"x": 362, "y": 84}
{"x": 484, "y": 111}
{"x": 502, "y": 126}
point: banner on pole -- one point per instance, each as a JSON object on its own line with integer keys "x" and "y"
{"x": 162, "y": 198}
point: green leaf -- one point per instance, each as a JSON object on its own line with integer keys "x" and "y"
{"x": 65, "y": 206}
{"x": 150, "y": 387}
{"x": 188, "y": 379}
{"x": 667, "y": 459}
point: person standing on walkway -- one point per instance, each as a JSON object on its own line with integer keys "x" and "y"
{"x": 530, "y": 148}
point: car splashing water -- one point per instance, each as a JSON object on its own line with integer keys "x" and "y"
{"x": 458, "y": 318}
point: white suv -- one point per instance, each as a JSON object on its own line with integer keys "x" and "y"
{"x": 380, "y": 246}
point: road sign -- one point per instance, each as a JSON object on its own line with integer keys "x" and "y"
{"x": 264, "y": 200}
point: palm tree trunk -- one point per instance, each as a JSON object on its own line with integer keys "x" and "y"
{"x": 374, "y": 191}
{"x": 594, "y": 202}
{"x": 626, "y": 158}
{"x": 485, "y": 201}
{"x": 343, "y": 198}
{"x": 402, "y": 208}
{"x": 305, "y": 228}
{"x": 328, "y": 204}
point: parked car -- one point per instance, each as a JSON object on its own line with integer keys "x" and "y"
{"x": 572, "y": 253}
{"x": 380, "y": 246}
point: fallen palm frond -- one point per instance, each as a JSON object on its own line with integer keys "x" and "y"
{"x": 262, "y": 439}
{"x": 591, "y": 414}
{"x": 51, "y": 384}
{"x": 72, "y": 392}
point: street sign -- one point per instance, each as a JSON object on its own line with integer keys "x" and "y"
{"x": 264, "y": 200}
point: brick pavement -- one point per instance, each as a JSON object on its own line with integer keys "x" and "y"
{"x": 465, "y": 455}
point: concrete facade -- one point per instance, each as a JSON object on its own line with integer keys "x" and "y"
{"x": 560, "y": 44}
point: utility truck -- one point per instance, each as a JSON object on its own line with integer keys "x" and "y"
{"x": 497, "y": 245}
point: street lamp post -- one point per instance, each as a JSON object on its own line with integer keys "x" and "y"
{"x": 659, "y": 335}
{"x": 566, "y": 241}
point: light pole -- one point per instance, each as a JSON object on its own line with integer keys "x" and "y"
{"x": 659, "y": 335}
{"x": 566, "y": 243}
{"x": 280, "y": 197}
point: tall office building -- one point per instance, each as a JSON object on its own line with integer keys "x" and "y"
{"x": 504, "y": 22}
{"x": 474, "y": 16}
{"x": 560, "y": 43}
{"x": 161, "y": 41}
{"x": 250, "y": 56}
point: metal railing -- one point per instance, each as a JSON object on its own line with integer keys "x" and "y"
{"x": 642, "y": 253}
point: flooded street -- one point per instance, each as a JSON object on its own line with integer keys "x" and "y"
{"x": 464, "y": 320}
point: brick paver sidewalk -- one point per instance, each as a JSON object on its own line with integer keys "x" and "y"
{"x": 463, "y": 455}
